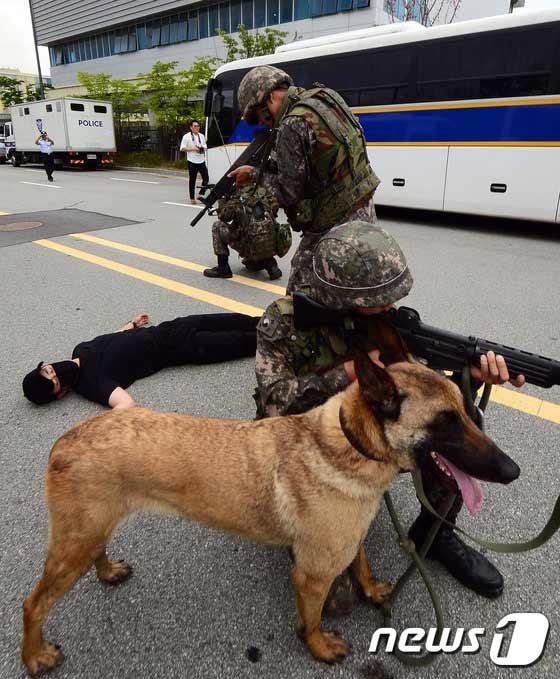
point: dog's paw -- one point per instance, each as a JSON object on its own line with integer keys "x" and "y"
{"x": 115, "y": 572}
{"x": 376, "y": 592}
{"x": 328, "y": 646}
{"x": 47, "y": 659}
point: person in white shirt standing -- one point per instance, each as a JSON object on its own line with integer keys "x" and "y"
{"x": 46, "y": 144}
{"x": 194, "y": 143}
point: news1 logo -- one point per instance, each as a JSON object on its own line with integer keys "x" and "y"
{"x": 529, "y": 633}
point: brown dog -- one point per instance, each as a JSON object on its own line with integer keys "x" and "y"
{"x": 311, "y": 481}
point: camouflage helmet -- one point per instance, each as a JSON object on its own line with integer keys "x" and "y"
{"x": 359, "y": 265}
{"x": 255, "y": 87}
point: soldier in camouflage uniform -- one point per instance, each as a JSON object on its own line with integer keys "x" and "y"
{"x": 321, "y": 174}
{"x": 358, "y": 267}
{"x": 247, "y": 223}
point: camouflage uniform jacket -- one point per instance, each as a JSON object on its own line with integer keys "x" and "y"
{"x": 296, "y": 370}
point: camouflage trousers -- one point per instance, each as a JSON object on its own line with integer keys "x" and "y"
{"x": 301, "y": 274}
{"x": 222, "y": 237}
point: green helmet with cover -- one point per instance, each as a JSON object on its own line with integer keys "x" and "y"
{"x": 255, "y": 87}
{"x": 359, "y": 265}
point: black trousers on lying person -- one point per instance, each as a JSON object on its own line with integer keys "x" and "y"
{"x": 208, "y": 338}
{"x": 48, "y": 162}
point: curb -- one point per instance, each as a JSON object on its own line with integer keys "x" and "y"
{"x": 153, "y": 170}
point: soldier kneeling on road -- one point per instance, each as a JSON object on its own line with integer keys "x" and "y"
{"x": 247, "y": 222}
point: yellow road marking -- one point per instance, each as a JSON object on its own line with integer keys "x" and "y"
{"x": 545, "y": 410}
{"x": 261, "y": 285}
{"x": 167, "y": 283}
{"x": 518, "y": 401}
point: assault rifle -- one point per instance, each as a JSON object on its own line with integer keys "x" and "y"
{"x": 442, "y": 349}
{"x": 254, "y": 155}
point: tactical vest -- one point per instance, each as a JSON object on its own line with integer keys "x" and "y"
{"x": 255, "y": 232}
{"x": 315, "y": 350}
{"x": 341, "y": 175}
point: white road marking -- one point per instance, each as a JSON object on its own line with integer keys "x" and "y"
{"x": 136, "y": 181}
{"x": 45, "y": 186}
{"x": 195, "y": 207}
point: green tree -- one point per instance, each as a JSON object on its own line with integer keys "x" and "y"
{"x": 124, "y": 95}
{"x": 253, "y": 44}
{"x": 172, "y": 95}
{"x": 33, "y": 93}
{"x": 10, "y": 91}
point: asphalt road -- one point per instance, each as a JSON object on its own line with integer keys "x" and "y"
{"x": 200, "y": 602}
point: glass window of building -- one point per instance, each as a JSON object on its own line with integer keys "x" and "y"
{"x": 357, "y": 4}
{"x": 111, "y": 38}
{"x": 247, "y": 15}
{"x": 344, "y": 5}
{"x": 141, "y": 36}
{"x": 193, "y": 26}
{"x": 173, "y": 29}
{"x": 260, "y": 13}
{"x": 182, "y": 28}
{"x": 203, "y": 22}
{"x": 235, "y": 15}
{"x": 132, "y": 39}
{"x": 224, "y": 17}
{"x": 272, "y": 12}
{"x": 164, "y": 34}
{"x": 214, "y": 16}
{"x": 301, "y": 9}
{"x": 286, "y": 11}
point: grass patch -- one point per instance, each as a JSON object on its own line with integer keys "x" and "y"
{"x": 148, "y": 159}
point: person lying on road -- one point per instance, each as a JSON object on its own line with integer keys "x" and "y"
{"x": 102, "y": 368}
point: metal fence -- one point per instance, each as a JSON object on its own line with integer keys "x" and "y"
{"x": 139, "y": 136}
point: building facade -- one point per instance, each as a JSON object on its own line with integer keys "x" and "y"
{"x": 126, "y": 37}
{"x": 25, "y": 78}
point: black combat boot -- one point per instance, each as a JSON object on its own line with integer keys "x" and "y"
{"x": 464, "y": 563}
{"x": 273, "y": 269}
{"x": 220, "y": 271}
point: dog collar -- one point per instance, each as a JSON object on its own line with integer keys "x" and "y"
{"x": 353, "y": 440}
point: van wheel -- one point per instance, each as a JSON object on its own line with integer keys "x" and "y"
{"x": 15, "y": 161}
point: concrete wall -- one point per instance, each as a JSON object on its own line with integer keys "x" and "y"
{"x": 129, "y": 65}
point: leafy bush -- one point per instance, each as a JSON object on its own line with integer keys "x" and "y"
{"x": 148, "y": 159}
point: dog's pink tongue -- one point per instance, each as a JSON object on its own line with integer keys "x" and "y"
{"x": 470, "y": 488}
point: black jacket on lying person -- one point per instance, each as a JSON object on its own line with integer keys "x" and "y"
{"x": 118, "y": 359}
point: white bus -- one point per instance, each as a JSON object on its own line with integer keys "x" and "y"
{"x": 462, "y": 117}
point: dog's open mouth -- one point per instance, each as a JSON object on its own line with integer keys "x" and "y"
{"x": 467, "y": 485}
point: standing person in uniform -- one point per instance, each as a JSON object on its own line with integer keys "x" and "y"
{"x": 46, "y": 145}
{"x": 247, "y": 222}
{"x": 360, "y": 268}
{"x": 321, "y": 174}
{"x": 194, "y": 143}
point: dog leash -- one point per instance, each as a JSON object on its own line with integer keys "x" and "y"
{"x": 476, "y": 412}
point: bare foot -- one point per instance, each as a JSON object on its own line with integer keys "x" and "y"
{"x": 47, "y": 659}
{"x": 114, "y": 572}
{"x": 328, "y": 646}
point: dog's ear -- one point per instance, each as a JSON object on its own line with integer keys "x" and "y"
{"x": 389, "y": 342}
{"x": 377, "y": 387}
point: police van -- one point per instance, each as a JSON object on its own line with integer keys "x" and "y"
{"x": 82, "y": 131}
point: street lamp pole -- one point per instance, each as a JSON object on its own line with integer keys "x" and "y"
{"x": 41, "y": 85}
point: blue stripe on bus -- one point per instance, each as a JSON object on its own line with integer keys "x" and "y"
{"x": 534, "y": 122}
{"x": 493, "y": 123}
